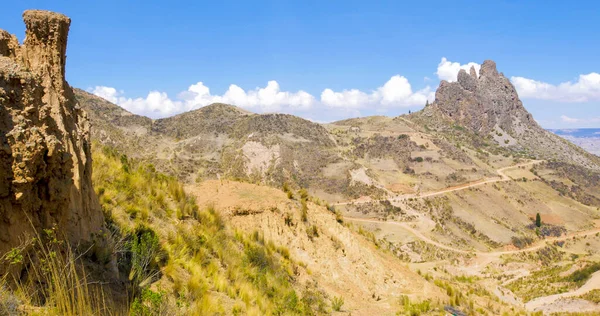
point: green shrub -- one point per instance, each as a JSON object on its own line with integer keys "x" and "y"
{"x": 582, "y": 275}
{"x": 337, "y": 303}
{"x": 312, "y": 232}
{"x": 304, "y": 210}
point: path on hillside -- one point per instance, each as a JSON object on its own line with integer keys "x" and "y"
{"x": 592, "y": 284}
{"x": 502, "y": 178}
{"x": 536, "y": 246}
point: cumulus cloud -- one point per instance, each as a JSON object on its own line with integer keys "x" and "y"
{"x": 585, "y": 89}
{"x": 448, "y": 70}
{"x": 158, "y": 104}
{"x": 396, "y": 92}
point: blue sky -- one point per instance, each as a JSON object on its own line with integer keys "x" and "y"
{"x": 327, "y": 60}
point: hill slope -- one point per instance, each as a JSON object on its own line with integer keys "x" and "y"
{"x": 453, "y": 189}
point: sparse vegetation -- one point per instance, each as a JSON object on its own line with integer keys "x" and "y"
{"x": 592, "y": 296}
{"x": 198, "y": 259}
{"x": 336, "y": 303}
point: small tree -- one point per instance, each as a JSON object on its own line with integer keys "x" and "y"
{"x": 538, "y": 220}
{"x": 427, "y": 103}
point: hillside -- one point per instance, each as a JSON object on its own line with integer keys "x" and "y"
{"x": 467, "y": 207}
{"x": 460, "y": 181}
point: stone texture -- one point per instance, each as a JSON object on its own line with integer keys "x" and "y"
{"x": 488, "y": 105}
{"x": 45, "y": 157}
{"x": 481, "y": 103}
{"x": 472, "y": 72}
{"x": 9, "y": 45}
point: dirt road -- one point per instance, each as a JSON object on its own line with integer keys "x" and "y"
{"x": 536, "y": 246}
{"x": 547, "y": 301}
{"x": 502, "y": 177}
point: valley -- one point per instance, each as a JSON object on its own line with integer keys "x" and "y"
{"x": 372, "y": 196}
{"x": 465, "y": 207}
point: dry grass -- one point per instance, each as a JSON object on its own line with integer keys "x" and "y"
{"x": 199, "y": 265}
{"x": 53, "y": 282}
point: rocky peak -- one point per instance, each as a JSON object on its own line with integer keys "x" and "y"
{"x": 45, "y": 157}
{"x": 482, "y": 103}
{"x": 489, "y": 105}
{"x": 488, "y": 68}
{"x": 472, "y": 72}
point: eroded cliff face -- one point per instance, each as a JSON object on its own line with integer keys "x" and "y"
{"x": 45, "y": 157}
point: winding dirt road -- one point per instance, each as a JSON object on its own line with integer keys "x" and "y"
{"x": 536, "y": 246}
{"x": 502, "y": 177}
{"x": 546, "y": 303}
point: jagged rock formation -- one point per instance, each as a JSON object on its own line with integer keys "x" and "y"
{"x": 488, "y": 105}
{"x": 482, "y": 102}
{"x": 45, "y": 158}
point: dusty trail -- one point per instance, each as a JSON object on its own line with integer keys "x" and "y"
{"x": 536, "y": 304}
{"x": 536, "y": 246}
{"x": 502, "y": 178}
{"x": 547, "y": 304}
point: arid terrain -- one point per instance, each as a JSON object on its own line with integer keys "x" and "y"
{"x": 455, "y": 200}
{"x": 467, "y": 207}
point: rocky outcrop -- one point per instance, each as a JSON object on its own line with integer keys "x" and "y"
{"x": 482, "y": 102}
{"x": 45, "y": 157}
{"x": 487, "y": 104}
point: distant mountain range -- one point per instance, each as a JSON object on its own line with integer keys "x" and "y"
{"x": 586, "y": 138}
{"x": 578, "y": 132}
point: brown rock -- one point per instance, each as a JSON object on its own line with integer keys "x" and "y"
{"x": 488, "y": 68}
{"x": 468, "y": 82}
{"x": 9, "y": 45}
{"x": 489, "y": 106}
{"x": 45, "y": 161}
{"x": 483, "y": 103}
{"x": 472, "y": 72}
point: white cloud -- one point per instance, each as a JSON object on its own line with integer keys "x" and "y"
{"x": 158, "y": 104}
{"x": 572, "y": 120}
{"x": 585, "y": 89}
{"x": 448, "y": 70}
{"x": 567, "y": 119}
{"x": 396, "y": 92}
{"x": 107, "y": 93}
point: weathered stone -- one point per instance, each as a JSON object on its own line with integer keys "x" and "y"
{"x": 9, "y": 45}
{"x": 467, "y": 81}
{"x": 45, "y": 161}
{"x": 473, "y": 73}
{"x": 482, "y": 103}
{"x": 489, "y": 105}
{"x": 488, "y": 68}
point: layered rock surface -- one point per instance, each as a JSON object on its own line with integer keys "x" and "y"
{"x": 45, "y": 157}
